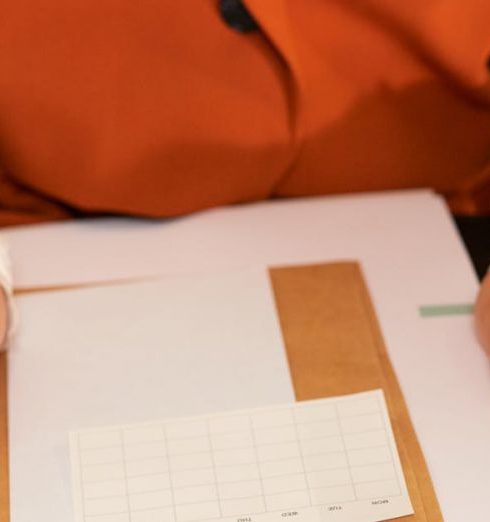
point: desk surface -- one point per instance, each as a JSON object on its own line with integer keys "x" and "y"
{"x": 411, "y": 255}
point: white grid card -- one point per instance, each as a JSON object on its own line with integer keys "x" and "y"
{"x": 321, "y": 460}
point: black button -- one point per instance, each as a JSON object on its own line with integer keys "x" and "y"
{"x": 237, "y": 16}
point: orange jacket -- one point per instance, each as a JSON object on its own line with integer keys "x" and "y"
{"x": 160, "y": 108}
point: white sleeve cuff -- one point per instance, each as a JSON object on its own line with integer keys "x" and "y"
{"x": 6, "y": 285}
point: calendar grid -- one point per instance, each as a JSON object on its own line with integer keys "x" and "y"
{"x": 293, "y": 412}
{"x": 344, "y": 446}
{"x": 258, "y": 462}
{"x": 126, "y": 487}
{"x": 382, "y": 406}
{"x": 213, "y": 466}
{"x": 256, "y": 455}
{"x": 79, "y": 464}
{"x": 170, "y": 474}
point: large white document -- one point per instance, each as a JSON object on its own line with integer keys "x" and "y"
{"x": 69, "y": 342}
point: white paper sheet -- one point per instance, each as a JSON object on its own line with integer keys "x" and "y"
{"x": 410, "y": 253}
{"x": 117, "y": 355}
{"x": 397, "y": 235}
{"x": 331, "y": 459}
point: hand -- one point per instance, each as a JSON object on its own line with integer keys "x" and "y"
{"x": 3, "y": 317}
{"x": 482, "y": 314}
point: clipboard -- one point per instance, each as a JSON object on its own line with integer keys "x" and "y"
{"x": 334, "y": 346}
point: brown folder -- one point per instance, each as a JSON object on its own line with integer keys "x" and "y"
{"x": 334, "y": 347}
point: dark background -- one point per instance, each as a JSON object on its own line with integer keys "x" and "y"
{"x": 475, "y": 231}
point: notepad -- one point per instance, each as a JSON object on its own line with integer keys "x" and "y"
{"x": 321, "y": 460}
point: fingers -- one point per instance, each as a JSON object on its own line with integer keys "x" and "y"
{"x": 482, "y": 314}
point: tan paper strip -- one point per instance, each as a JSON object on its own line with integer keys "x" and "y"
{"x": 334, "y": 347}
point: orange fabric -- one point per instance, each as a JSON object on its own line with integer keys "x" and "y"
{"x": 157, "y": 108}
